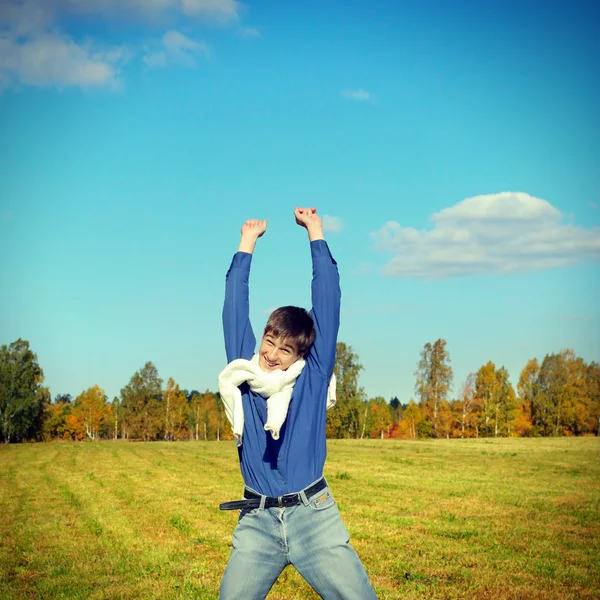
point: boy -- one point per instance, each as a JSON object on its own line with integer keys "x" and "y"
{"x": 276, "y": 401}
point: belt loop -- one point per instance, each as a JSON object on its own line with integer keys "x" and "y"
{"x": 303, "y": 497}
{"x": 263, "y": 499}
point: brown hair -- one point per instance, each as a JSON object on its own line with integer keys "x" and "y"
{"x": 293, "y": 324}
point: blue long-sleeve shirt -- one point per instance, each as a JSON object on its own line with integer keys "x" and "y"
{"x": 296, "y": 459}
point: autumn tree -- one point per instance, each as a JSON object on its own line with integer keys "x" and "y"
{"x": 91, "y": 409}
{"x": 382, "y": 417}
{"x": 55, "y": 419}
{"x": 528, "y": 388}
{"x": 592, "y": 420}
{"x": 141, "y": 399}
{"x": 176, "y": 409}
{"x": 485, "y": 390}
{"x": 578, "y": 402}
{"x": 396, "y": 410}
{"x": 445, "y": 419}
{"x": 560, "y": 396}
{"x": 505, "y": 408}
{"x": 115, "y": 418}
{"x": 562, "y": 404}
{"x": 497, "y": 401}
{"x": 206, "y": 417}
{"x": 345, "y": 418}
{"x": 23, "y": 399}
{"x": 467, "y": 405}
{"x": 434, "y": 380}
{"x": 412, "y": 417}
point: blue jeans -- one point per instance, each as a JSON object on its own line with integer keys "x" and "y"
{"x": 310, "y": 536}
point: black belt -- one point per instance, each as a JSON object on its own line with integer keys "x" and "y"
{"x": 252, "y": 500}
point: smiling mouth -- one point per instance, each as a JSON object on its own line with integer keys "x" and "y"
{"x": 268, "y": 363}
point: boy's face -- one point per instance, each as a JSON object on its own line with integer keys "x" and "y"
{"x": 276, "y": 353}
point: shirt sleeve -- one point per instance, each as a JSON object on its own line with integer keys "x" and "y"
{"x": 239, "y": 337}
{"x": 326, "y": 298}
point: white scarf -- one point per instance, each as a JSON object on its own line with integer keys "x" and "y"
{"x": 276, "y": 386}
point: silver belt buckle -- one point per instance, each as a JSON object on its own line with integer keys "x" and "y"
{"x": 280, "y": 501}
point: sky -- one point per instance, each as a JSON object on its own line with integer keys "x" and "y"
{"x": 451, "y": 148}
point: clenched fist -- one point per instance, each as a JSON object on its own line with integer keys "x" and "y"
{"x": 251, "y": 231}
{"x": 309, "y": 219}
{"x": 254, "y": 228}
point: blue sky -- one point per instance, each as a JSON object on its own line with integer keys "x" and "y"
{"x": 452, "y": 149}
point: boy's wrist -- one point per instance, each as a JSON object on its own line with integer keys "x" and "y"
{"x": 247, "y": 243}
{"x": 315, "y": 233}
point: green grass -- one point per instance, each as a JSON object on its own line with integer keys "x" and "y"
{"x": 486, "y": 519}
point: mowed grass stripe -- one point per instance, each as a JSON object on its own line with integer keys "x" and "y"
{"x": 483, "y": 526}
{"x": 73, "y": 559}
{"x": 141, "y": 517}
{"x": 430, "y": 519}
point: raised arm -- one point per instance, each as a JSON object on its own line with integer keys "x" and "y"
{"x": 239, "y": 337}
{"x": 326, "y": 294}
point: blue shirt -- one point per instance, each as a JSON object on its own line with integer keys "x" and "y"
{"x": 296, "y": 459}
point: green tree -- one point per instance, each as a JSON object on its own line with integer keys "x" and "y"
{"x": 505, "y": 406}
{"x": 64, "y": 398}
{"x": 485, "y": 390}
{"x": 346, "y": 417}
{"x": 23, "y": 399}
{"x": 564, "y": 404}
{"x": 554, "y": 400}
{"x": 434, "y": 380}
{"x": 558, "y": 397}
{"x": 141, "y": 400}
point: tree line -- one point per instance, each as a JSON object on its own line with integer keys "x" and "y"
{"x": 557, "y": 397}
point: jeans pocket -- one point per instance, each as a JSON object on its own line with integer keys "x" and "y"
{"x": 321, "y": 500}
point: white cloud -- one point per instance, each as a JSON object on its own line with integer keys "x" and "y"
{"x": 508, "y": 232}
{"x": 359, "y": 95}
{"x": 333, "y": 224}
{"x": 34, "y": 50}
{"x": 52, "y": 60}
{"x": 216, "y": 10}
{"x": 27, "y": 15}
{"x": 178, "y": 48}
{"x": 24, "y": 18}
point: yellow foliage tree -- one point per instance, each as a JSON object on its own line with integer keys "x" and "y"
{"x": 176, "y": 412}
{"x": 412, "y": 418}
{"x": 91, "y": 410}
{"x": 381, "y": 417}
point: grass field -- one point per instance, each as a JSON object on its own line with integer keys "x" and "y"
{"x": 504, "y": 518}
